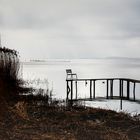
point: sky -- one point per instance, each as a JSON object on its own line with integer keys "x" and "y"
{"x": 71, "y": 29}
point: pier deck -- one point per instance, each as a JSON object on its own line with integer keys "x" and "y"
{"x": 109, "y": 89}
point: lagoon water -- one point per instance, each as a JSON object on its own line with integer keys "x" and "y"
{"x": 53, "y": 73}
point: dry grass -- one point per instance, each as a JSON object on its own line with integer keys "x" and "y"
{"x": 20, "y": 109}
{"x": 33, "y": 121}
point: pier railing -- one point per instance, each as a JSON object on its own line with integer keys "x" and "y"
{"x": 71, "y": 89}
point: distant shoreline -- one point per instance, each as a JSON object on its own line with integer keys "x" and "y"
{"x": 112, "y": 61}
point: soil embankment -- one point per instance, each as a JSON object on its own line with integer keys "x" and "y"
{"x": 40, "y": 122}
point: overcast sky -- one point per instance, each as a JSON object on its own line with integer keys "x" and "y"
{"x": 71, "y": 28}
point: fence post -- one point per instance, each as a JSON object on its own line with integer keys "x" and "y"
{"x": 111, "y": 89}
{"x": 90, "y": 89}
{"x": 71, "y": 92}
{"x": 94, "y": 89}
{"x": 134, "y": 89}
{"x": 128, "y": 89}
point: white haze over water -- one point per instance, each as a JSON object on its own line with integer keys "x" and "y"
{"x": 54, "y": 72}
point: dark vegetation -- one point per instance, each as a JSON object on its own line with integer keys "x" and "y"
{"x": 10, "y": 84}
{"x": 28, "y": 117}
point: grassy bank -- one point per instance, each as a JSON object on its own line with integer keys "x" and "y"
{"x": 26, "y": 120}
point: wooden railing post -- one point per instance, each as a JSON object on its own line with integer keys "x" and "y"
{"x": 71, "y": 92}
{"x": 128, "y": 90}
{"x": 122, "y": 88}
{"x": 94, "y": 89}
{"x": 90, "y": 89}
{"x": 107, "y": 89}
{"x": 76, "y": 88}
{"x": 134, "y": 89}
{"x": 67, "y": 87}
{"x": 111, "y": 89}
{"x": 120, "y": 94}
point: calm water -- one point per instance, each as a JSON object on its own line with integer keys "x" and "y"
{"x": 53, "y": 73}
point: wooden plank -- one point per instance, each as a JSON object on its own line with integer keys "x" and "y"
{"x": 125, "y": 79}
{"x": 104, "y": 98}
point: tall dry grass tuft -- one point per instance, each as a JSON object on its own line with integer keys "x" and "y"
{"x": 21, "y": 109}
{"x": 9, "y": 64}
{"x": 9, "y": 71}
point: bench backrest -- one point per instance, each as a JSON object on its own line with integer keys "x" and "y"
{"x": 68, "y": 71}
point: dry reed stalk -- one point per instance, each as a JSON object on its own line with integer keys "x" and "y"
{"x": 21, "y": 110}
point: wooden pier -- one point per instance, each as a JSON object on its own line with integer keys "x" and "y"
{"x": 71, "y": 89}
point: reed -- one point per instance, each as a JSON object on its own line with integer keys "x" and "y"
{"x": 9, "y": 63}
{"x": 9, "y": 71}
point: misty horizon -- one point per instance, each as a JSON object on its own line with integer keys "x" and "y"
{"x": 71, "y": 29}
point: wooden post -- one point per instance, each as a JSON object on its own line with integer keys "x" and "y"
{"x": 67, "y": 90}
{"x": 90, "y": 89}
{"x": 71, "y": 92}
{"x": 120, "y": 86}
{"x": 134, "y": 89}
{"x": 120, "y": 94}
{"x": 121, "y": 101}
{"x": 107, "y": 89}
{"x": 128, "y": 90}
{"x": 111, "y": 89}
{"x": 94, "y": 89}
{"x": 76, "y": 88}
